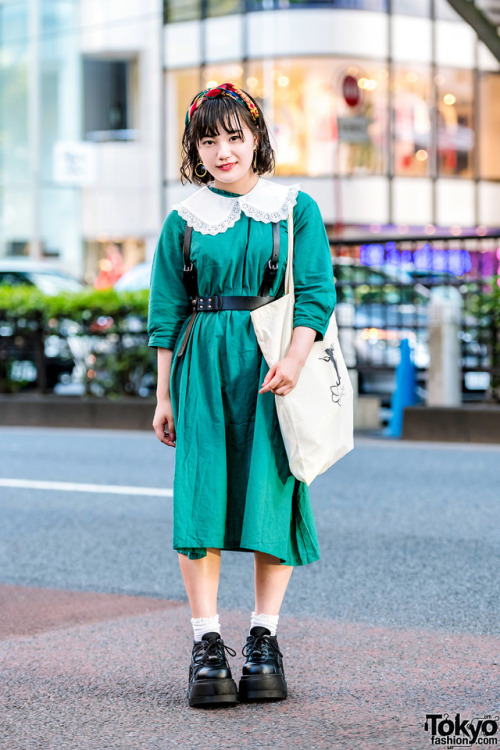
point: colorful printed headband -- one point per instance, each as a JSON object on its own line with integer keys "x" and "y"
{"x": 225, "y": 89}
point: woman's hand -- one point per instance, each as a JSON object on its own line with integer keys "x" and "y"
{"x": 163, "y": 422}
{"x": 283, "y": 376}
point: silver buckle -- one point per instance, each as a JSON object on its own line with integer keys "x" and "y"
{"x": 209, "y": 303}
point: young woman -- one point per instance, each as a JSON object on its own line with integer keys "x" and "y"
{"x": 233, "y": 488}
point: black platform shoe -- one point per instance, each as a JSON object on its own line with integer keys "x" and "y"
{"x": 210, "y": 680}
{"x": 263, "y": 674}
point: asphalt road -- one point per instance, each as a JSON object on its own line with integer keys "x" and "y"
{"x": 397, "y": 622}
{"x": 409, "y": 533}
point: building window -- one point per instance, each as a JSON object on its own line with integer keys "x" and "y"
{"x": 214, "y": 75}
{"x": 224, "y": 7}
{"x": 377, "y": 5}
{"x": 412, "y": 121}
{"x": 489, "y": 119}
{"x": 412, "y": 7}
{"x": 444, "y": 12}
{"x": 328, "y": 115}
{"x": 14, "y": 95}
{"x": 181, "y": 87}
{"x": 191, "y": 10}
{"x": 109, "y": 95}
{"x": 455, "y": 122}
{"x": 181, "y": 10}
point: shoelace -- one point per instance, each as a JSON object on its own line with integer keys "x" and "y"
{"x": 260, "y": 646}
{"x": 211, "y": 650}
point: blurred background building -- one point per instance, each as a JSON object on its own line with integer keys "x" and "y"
{"x": 386, "y": 111}
{"x": 80, "y": 142}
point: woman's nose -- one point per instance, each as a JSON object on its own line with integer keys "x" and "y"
{"x": 224, "y": 150}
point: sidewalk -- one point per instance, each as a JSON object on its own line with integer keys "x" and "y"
{"x": 84, "y": 671}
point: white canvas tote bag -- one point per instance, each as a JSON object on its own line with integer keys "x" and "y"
{"x": 316, "y": 417}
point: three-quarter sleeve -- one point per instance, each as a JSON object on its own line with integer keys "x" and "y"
{"x": 169, "y": 303}
{"x": 315, "y": 294}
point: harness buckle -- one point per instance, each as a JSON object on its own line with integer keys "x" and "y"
{"x": 209, "y": 303}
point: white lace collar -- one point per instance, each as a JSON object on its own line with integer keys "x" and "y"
{"x": 211, "y": 213}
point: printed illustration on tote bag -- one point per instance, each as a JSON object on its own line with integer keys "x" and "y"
{"x": 337, "y": 389}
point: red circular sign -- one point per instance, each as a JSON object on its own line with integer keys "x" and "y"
{"x": 350, "y": 90}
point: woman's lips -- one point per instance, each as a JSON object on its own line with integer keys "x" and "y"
{"x": 226, "y": 167}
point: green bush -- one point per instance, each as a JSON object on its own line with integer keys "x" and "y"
{"x": 106, "y": 328}
{"x": 486, "y": 307}
{"x": 28, "y": 302}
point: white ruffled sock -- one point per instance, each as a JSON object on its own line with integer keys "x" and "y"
{"x": 202, "y": 625}
{"x": 265, "y": 621}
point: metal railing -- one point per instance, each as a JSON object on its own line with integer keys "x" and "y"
{"x": 384, "y": 288}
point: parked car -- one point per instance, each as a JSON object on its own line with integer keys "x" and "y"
{"x": 379, "y": 306}
{"x": 47, "y": 278}
{"x": 135, "y": 279}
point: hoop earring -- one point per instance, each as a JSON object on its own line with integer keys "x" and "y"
{"x": 254, "y": 160}
{"x": 196, "y": 170}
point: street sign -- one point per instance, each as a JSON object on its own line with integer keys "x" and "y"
{"x": 350, "y": 90}
{"x": 74, "y": 163}
{"x": 353, "y": 129}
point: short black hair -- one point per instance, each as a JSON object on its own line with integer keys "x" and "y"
{"x": 227, "y": 112}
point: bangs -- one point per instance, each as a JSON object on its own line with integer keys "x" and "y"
{"x": 222, "y": 111}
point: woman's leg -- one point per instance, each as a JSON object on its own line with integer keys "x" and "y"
{"x": 210, "y": 679}
{"x": 271, "y": 580}
{"x": 201, "y": 580}
{"x": 263, "y": 674}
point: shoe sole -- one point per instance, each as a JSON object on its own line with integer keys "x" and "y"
{"x": 262, "y": 687}
{"x": 212, "y": 692}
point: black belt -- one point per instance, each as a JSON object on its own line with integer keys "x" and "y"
{"x": 218, "y": 302}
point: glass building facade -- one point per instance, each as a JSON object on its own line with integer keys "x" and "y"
{"x": 39, "y": 108}
{"x": 388, "y": 113}
{"x": 421, "y": 120}
{"x": 80, "y": 144}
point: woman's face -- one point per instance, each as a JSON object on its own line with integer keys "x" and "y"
{"x": 228, "y": 157}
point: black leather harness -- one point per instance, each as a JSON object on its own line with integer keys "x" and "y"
{"x": 218, "y": 302}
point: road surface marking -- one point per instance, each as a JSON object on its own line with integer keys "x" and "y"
{"x": 107, "y": 489}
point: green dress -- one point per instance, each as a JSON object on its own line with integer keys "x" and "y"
{"x": 233, "y": 488}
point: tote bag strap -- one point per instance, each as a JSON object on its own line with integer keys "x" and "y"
{"x": 288, "y": 288}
